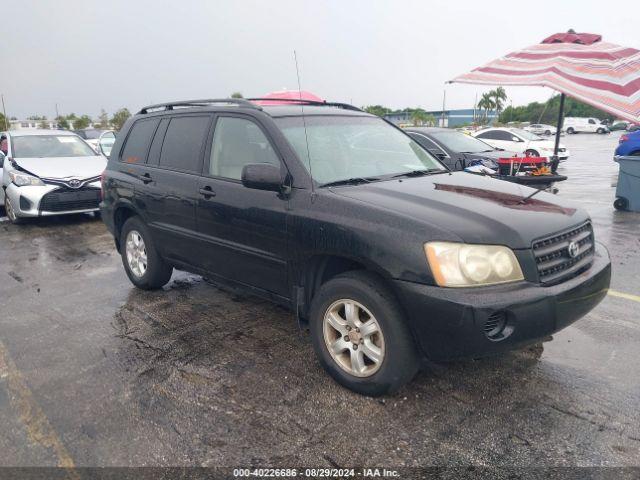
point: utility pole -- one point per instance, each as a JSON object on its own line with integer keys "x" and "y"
{"x": 444, "y": 102}
{"x": 4, "y": 111}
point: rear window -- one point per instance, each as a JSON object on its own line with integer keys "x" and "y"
{"x": 183, "y": 142}
{"x": 137, "y": 145}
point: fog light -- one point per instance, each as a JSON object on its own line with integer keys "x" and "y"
{"x": 24, "y": 203}
{"x": 494, "y": 327}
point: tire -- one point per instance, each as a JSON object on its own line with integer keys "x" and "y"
{"x": 621, "y": 203}
{"x": 548, "y": 133}
{"x": 395, "y": 346}
{"x": 11, "y": 215}
{"x": 600, "y": 131}
{"x": 570, "y": 131}
{"x": 532, "y": 153}
{"x": 156, "y": 272}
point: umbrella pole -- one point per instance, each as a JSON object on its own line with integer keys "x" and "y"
{"x": 556, "y": 160}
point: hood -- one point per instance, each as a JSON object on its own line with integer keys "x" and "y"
{"x": 475, "y": 208}
{"x": 64, "y": 167}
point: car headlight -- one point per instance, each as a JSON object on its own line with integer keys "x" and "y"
{"x": 23, "y": 179}
{"x": 464, "y": 265}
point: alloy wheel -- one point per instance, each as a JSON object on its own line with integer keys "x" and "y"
{"x": 353, "y": 338}
{"x": 136, "y": 253}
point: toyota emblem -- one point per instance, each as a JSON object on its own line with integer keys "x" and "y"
{"x": 573, "y": 249}
{"x": 75, "y": 183}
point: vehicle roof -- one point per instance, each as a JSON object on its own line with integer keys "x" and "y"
{"x": 38, "y": 131}
{"x": 296, "y": 111}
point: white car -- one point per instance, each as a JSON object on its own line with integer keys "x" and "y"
{"x": 584, "y": 125}
{"x": 541, "y": 129}
{"x": 49, "y": 172}
{"x": 521, "y": 141}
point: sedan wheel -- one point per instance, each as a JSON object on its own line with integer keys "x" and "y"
{"x": 353, "y": 337}
{"x": 11, "y": 214}
{"x": 136, "y": 253}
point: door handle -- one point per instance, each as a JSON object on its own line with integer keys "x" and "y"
{"x": 146, "y": 178}
{"x": 207, "y": 192}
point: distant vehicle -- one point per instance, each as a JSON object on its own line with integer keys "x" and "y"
{"x": 521, "y": 141}
{"x": 619, "y": 125}
{"x": 634, "y": 127}
{"x": 541, "y": 129}
{"x": 49, "y": 172}
{"x": 92, "y": 136}
{"x": 455, "y": 149}
{"x": 584, "y": 125}
{"x": 629, "y": 145}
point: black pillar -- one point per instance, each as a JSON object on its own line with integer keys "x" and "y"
{"x": 555, "y": 161}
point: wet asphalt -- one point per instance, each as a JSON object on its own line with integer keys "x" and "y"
{"x": 96, "y": 373}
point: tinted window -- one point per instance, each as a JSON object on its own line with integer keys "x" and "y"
{"x": 502, "y": 135}
{"x": 491, "y": 135}
{"x": 427, "y": 143}
{"x": 135, "y": 149}
{"x": 183, "y": 142}
{"x": 236, "y": 143}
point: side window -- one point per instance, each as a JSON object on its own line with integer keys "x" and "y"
{"x": 427, "y": 143}
{"x": 491, "y": 135}
{"x": 502, "y": 135}
{"x": 238, "y": 142}
{"x": 592, "y": 121}
{"x": 138, "y": 140}
{"x": 182, "y": 146}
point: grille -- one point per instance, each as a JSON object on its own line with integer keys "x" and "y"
{"x": 63, "y": 200}
{"x": 555, "y": 265}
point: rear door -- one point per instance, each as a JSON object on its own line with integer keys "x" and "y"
{"x": 171, "y": 184}
{"x": 244, "y": 230}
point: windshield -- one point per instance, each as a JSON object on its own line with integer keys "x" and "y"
{"x": 526, "y": 135}
{"x": 343, "y": 147}
{"x": 460, "y": 142}
{"x": 31, "y": 146}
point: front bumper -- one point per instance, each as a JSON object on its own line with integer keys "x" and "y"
{"x": 29, "y": 204}
{"x": 451, "y": 323}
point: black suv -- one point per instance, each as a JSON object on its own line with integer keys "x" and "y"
{"x": 386, "y": 255}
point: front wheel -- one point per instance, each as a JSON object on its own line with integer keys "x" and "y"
{"x": 360, "y": 336}
{"x": 547, "y": 132}
{"x": 11, "y": 214}
{"x": 600, "y": 131}
{"x": 532, "y": 153}
{"x": 570, "y": 131}
{"x": 142, "y": 263}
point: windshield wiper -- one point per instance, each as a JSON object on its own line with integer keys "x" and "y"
{"x": 350, "y": 181}
{"x": 420, "y": 173}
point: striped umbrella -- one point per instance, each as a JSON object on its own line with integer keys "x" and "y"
{"x": 581, "y": 65}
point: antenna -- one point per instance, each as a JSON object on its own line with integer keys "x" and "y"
{"x": 304, "y": 121}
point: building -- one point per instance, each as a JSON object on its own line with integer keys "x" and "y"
{"x": 26, "y": 124}
{"x": 451, "y": 118}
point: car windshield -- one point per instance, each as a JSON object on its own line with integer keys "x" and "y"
{"x": 31, "y": 146}
{"x": 460, "y": 142}
{"x": 347, "y": 147}
{"x": 526, "y": 135}
{"x": 92, "y": 134}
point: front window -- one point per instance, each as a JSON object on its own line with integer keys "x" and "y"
{"x": 39, "y": 146}
{"x": 459, "y": 142}
{"x": 335, "y": 148}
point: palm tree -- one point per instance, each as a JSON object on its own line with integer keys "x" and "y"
{"x": 486, "y": 104}
{"x": 499, "y": 97}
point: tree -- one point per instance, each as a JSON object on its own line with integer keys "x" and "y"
{"x": 103, "y": 119}
{"x": 4, "y": 123}
{"x": 236, "y": 95}
{"x": 547, "y": 112}
{"x": 82, "y": 122}
{"x": 44, "y": 124}
{"x": 119, "y": 118}
{"x": 378, "y": 110}
{"x": 419, "y": 117}
{"x": 62, "y": 122}
{"x": 486, "y": 104}
{"x": 499, "y": 97}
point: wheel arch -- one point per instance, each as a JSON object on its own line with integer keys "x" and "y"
{"x": 121, "y": 213}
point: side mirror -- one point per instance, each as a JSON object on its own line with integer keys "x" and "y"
{"x": 262, "y": 176}
{"x": 105, "y": 143}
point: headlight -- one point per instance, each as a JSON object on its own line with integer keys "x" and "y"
{"x": 23, "y": 180}
{"x": 463, "y": 265}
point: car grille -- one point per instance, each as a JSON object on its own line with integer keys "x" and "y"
{"x": 555, "y": 264}
{"x": 63, "y": 200}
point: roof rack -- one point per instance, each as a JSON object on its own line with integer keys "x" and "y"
{"x": 240, "y": 102}
{"x": 302, "y": 101}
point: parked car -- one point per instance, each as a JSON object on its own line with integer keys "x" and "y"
{"x": 584, "y": 125}
{"x": 541, "y": 129}
{"x": 49, "y": 172}
{"x": 629, "y": 144}
{"x": 453, "y": 148}
{"x": 633, "y": 127}
{"x": 386, "y": 255}
{"x": 619, "y": 125}
{"x": 92, "y": 136}
{"x": 521, "y": 141}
